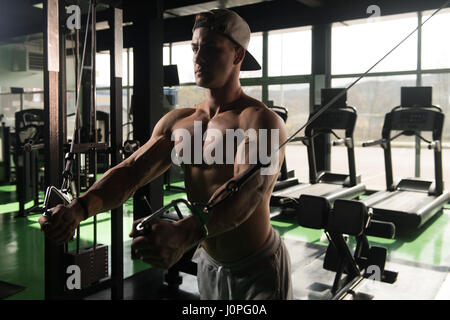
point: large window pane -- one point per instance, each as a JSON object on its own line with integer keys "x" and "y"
{"x": 103, "y": 103}
{"x": 435, "y": 44}
{"x": 255, "y": 48}
{"x": 289, "y": 51}
{"x": 9, "y": 104}
{"x": 166, "y": 55}
{"x": 70, "y": 114}
{"x": 253, "y": 91}
{"x": 373, "y": 97}
{"x": 102, "y": 66}
{"x": 34, "y": 100}
{"x": 295, "y": 98}
{"x": 189, "y": 96}
{"x": 182, "y": 56}
{"x": 441, "y": 96}
{"x": 131, "y": 67}
{"x": 358, "y": 44}
{"x": 126, "y": 118}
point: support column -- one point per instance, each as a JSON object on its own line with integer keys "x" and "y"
{"x": 54, "y": 265}
{"x": 321, "y": 78}
{"x": 418, "y": 84}
{"x": 148, "y": 91}
{"x": 116, "y": 22}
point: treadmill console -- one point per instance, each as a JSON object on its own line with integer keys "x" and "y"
{"x": 328, "y": 94}
{"x": 416, "y": 96}
{"x": 416, "y": 112}
{"x": 412, "y": 119}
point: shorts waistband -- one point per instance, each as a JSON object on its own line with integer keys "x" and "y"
{"x": 267, "y": 249}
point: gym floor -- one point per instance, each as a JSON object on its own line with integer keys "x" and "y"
{"x": 421, "y": 260}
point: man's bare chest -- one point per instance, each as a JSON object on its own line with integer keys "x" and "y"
{"x": 198, "y": 140}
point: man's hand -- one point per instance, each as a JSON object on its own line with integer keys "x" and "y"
{"x": 60, "y": 227}
{"x": 167, "y": 241}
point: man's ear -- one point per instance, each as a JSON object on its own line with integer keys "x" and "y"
{"x": 239, "y": 55}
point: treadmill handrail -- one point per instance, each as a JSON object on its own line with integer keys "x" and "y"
{"x": 313, "y": 130}
{"x": 418, "y": 107}
{"x": 436, "y": 129}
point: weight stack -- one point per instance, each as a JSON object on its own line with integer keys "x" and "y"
{"x": 93, "y": 263}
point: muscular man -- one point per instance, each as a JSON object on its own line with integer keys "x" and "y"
{"x": 243, "y": 257}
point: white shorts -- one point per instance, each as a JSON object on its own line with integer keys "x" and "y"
{"x": 264, "y": 275}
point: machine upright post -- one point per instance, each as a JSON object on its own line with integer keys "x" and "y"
{"x": 116, "y": 144}
{"x": 147, "y": 90}
{"x": 54, "y": 277}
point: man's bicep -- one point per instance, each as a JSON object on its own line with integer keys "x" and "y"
{"x": 153, "y": 158}
{"x": 261, "y": 144}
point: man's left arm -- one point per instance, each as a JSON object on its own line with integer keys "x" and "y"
{"x": 237, "y": 208}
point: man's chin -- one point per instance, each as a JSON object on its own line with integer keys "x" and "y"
{"x": 203, "y": 83}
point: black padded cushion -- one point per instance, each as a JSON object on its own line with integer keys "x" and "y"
{"x": 313, "y": 212}
{"x": 382, "y": 229}
{"x": 348, "y": 217}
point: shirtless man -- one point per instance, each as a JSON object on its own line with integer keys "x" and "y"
{"x": 242, "y": 257}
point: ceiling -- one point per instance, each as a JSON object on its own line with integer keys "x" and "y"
{"x": 22, "y": 19}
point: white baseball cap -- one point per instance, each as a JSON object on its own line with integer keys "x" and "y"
{"x": 231, "y": 25}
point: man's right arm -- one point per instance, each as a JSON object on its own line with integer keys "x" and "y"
{"x": 147, "y": 163}
{"x": 118, "y": 184}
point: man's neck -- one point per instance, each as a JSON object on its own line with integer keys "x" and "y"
{"x": 219, "y": 99}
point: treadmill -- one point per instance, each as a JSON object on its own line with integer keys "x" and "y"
{"x": 325, "y": 184}
{"x": 410, "y": 203}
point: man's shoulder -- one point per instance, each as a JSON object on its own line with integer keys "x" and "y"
{"x": 258, "y": 115}
{"x": 180, "y": 113}
{"x": 171, "y": 117}
{"x": 169, "y": 120}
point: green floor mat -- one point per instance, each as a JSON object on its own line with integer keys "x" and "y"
{"x": 429, "y": 245}
{"x": 22, "y": 243}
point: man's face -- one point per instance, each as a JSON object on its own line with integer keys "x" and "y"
{"x": 214, "y": 57}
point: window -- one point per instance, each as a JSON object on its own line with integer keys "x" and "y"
{"x": 356, "y": 45}
{"x": 373, "y": 97}
{"x": 255, "y": 48}
{"x": 253, "y": 91}
{"x": 189, "y": 96}
{"x": 295, "y": 98}
{"x": 289, "y": 51}
{"x": 131, "y": 67}
{"x": 71, "y": 108}
{"x": 182, "y": 56}
{"x": 166, "y": 55}
{"x": 9, "y": 104}
{"x": 103, "y": 68}
{"x": 102, "y": 71}
{"x": 440, "y": 83}
{"x": 435, "y": 44}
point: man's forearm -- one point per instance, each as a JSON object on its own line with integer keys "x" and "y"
{"x": 119, "y": 183}
{"x": 238, "y": 207}
{"x": 110, "y": 191}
